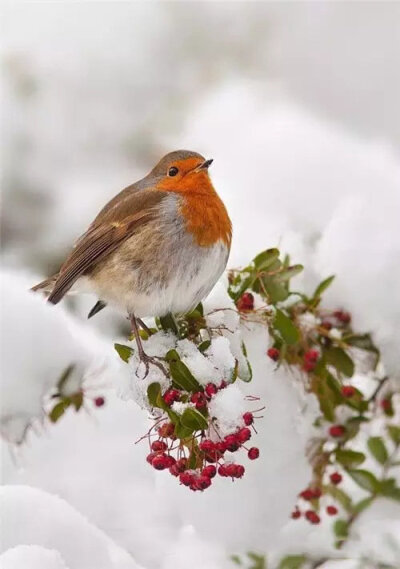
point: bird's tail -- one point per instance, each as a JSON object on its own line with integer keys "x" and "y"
{"x": 46, "y": 286}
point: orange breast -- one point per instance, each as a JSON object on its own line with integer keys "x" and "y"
{"x": 207, "y": 219}
{"x": 204, "y": 211}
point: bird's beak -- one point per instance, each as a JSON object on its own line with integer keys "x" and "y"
{"x": 205, "y": 165}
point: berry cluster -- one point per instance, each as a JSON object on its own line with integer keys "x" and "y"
{"x": 312, "y": 496}
{"x": 196, "y": 460}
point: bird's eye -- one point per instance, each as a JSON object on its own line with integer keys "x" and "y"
{"x": 173, "y": 171}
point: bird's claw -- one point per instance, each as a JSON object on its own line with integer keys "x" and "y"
{"x": 147, "y": 360}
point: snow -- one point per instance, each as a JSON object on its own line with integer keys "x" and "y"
{"x": 38, "y": 342}
{"x": 228, "y": 406}
{"x": 35, "y": 517}
{"x": 32, "y": 556}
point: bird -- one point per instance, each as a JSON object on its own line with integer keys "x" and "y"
{"x": 158, "y": 247}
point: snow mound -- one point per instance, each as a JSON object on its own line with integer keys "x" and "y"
{"x": 35, "y": 517}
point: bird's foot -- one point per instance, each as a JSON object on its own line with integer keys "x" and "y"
{"x": 153, "y": 360}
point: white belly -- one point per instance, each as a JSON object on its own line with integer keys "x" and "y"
{"x": 194, "y": 276}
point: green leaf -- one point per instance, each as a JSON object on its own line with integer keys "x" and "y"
{"x": 265, "y": 259}
{"x": 168, "y": 323}
{"x": 364, "y": 479}
{"x": 378, "y": 449}
{"x": 394, "y": 433}
{"x": 58, "y": 410}
{"x": 349, "y": 457}
{"x": 362, "y": 341}
{"x": 182, "y": 377}
{"x": 287, "y": 274}
{"x": 204, "y": 346}
{"x": 276, "y": 291}
{"x": 292, "y": 562}
{"x": 288, "y": 331}
{"x": 155, "y": 397}
{"x": 77, "y": 400}
{"x": 245, "y": 284}
{"x": 236, "y": 559}
{"x": 340, "y": 360}
{"x": 124, "y": 352}
{"x": 196, "y": 312}
{"x": 363, "y": 504}
{"x": 172, "y": 355}
{"x": 64, "y": 377}
{"x": 389, "y": 489}
{"x": 194, "y": 420}
{"x": 340, "y": 496}
{"x": 341, "y": 529}
{"x": 182, "y": 432}
{"x": 259, "y": 561}
{"x": 323, "y": 286}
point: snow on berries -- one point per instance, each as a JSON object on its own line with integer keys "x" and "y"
{"x": 201, "y": 442}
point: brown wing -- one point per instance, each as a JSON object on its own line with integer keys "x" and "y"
{"x": 104, "y": 237}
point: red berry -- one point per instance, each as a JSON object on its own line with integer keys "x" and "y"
{"x": 210, "y": 389}
{"x": 231, "y": 443}
{"x": 243, "y": 435}
{"x": 342, "y": 316}
{"x": 166, "y": 431}
{"x": 99, "y": 401}
{"x": 186, "y": 478}
{"x": 209, "y": 471}
{"x": 309, "y": 366}
{"x": 171, "y": 395}
{"x": 332, "y": 510}
{"x": 212, "y": 456}
{"x": 170, "y": 460}
{"x": 312, "y": 517}
{"x": 326, "y": 324}
{"x": 150, "y": 457}
{"x": 181, "y": 464}
{"x": 337, "y": 431}
{"x": 248, "y": 418}
{"x": 199, "y": 399}
{"x": 206, "y": 445}
{"x": 316, "y": 492}
{"x": 273, "y": 353}
{"x": 160, "y": 462}
{"x": 234, "y": 470}
{"x": 335, "y": 478}
{"x": 386, "y": 405}
{"x": 296, "y": 514}
{"x": 223, "y": 384}
{"x": 174, "y": 470}
{"x": 159, "y": 446}
{"x": 348, "y": 391}
{"x": 253, "y": 453}
{"x": 220, "y": 446}
{"x": 222, "y": 470}
{"x": 202, "y": 482}
{"x": 307, "y": 494}
{"x": 239, "y": 471}
{"x": 311, "y": 356}
{"x": 246, "y": 301}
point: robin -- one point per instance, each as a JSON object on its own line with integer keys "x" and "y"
{"x": 158, "y": 247}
